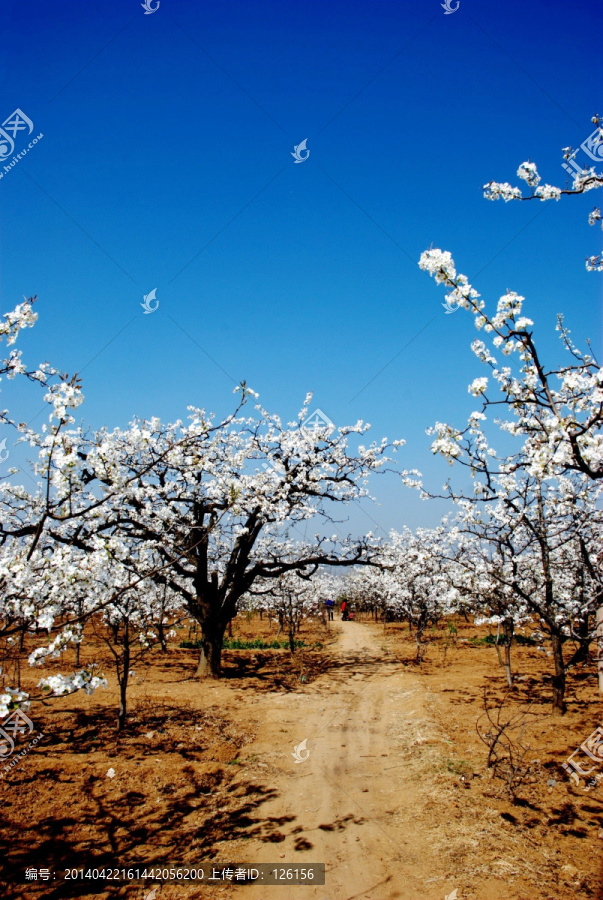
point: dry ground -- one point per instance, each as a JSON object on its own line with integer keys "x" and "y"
{"x": 395, "y": 796}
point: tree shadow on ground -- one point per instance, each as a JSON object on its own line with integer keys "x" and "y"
{"x": 119, "y": 831}
{"x": 152, "y": 728}
{"x": 173, "y": 799}
{"x": 265, "y": 672}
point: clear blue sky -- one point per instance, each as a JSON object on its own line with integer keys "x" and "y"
{"x": 166, "y": 164}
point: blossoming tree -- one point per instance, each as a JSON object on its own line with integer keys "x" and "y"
{"x": 556, "y": 412}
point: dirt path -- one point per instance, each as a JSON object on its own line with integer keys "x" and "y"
{"x": 356, "y": 803}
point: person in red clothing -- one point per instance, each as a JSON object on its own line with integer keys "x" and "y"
{"x": 344, "y": 610}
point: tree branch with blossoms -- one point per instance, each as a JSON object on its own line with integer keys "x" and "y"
{"x": 584, "y": 180}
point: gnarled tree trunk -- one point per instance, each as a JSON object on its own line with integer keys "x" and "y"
{"x": 599, "y": 635}
{"x": 210, "y": 657}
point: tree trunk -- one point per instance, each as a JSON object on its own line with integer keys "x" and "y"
{"x": 582, "y": 653}
{"x": 161, "y": 634}
{"x": 559, "y": 677}
{"x": 418, "y": 636}
{"x": 508, "y": 672}
{"x": 508, "y": 628}
{"x": 210, "y": 657}
{"x": 599, "y": 634}
{"x": 497, "y": 645}
{"x": 123, "y": 689}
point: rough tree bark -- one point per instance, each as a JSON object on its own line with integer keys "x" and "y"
{"x": 599, "y": 635}
{"x": 161, "y": 635}
{"x": 559, "y": 676}
{"x": 123, "y": 686}
{"x": 508, "y": 630}
{"x": 210, "y": 656}
{"x": 556, "y": 637}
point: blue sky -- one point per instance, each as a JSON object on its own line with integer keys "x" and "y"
{"x": 166, "y": 164}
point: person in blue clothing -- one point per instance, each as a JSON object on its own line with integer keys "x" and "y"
{"x": 330, "y": 604}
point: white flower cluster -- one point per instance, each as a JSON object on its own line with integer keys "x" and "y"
{"x": 13, "y": 699}
{"x": 64, "y": 396}
{"x": 501, "y": 190}
{"x": 447, "y": 441}
{"x": 84, "y": 680}
{"x": 587, "y": 180}
{"x": 478, "y": 386}
{"x": 528, "y": 172}
{"x": 439, "y": 264}
{"x": 57, "y": 646}
{"x": 548, "y": 192}
{"x": 22, "y": 316}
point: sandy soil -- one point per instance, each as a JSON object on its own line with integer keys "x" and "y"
{"x": 394, "y": 795}
{"x": 352, "y": 803}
